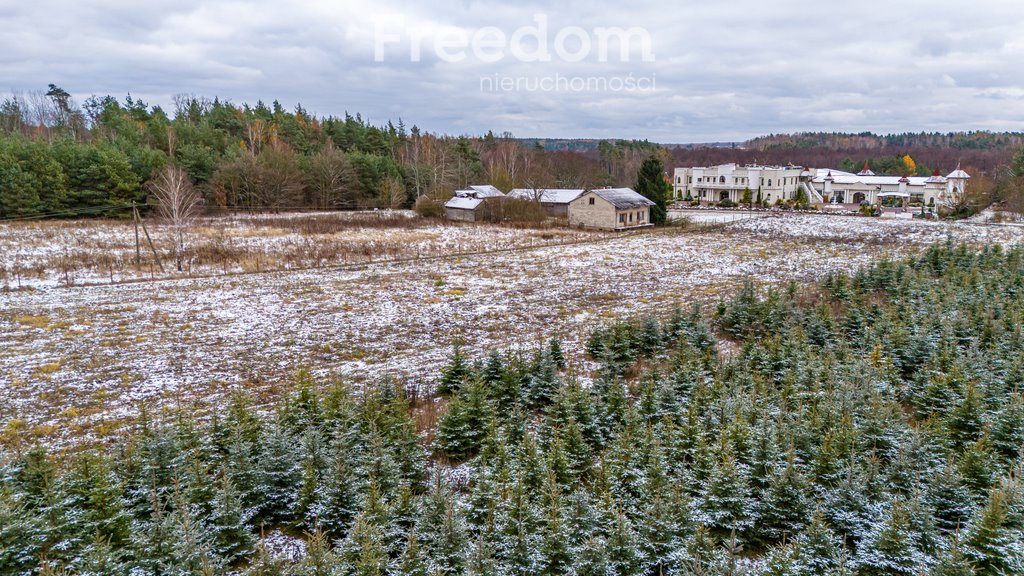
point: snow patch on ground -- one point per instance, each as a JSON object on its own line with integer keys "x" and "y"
{"x": 76, "y": 362}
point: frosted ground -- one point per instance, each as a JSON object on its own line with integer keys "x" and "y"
{"x": 46, "y": 254}
{"x": 76, "y": 362}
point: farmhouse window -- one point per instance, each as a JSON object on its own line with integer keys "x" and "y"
{"x": 591, "y": 201}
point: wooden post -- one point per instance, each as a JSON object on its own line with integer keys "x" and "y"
{"x": 151, "y": 247}
{"x": 135, "y": 220}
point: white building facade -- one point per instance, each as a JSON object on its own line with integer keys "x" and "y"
{"x": 729, "y": 181}
{"x": 838, "y": 187}
{"x": 821, "y": 186}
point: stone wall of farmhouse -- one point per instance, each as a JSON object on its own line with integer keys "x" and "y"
{"x": 459, "y": 214}
{"x": 600, "y": 214}
{"x": 556, "y": 210}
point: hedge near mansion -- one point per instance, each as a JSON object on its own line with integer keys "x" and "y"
{"x": 776, "y": 184}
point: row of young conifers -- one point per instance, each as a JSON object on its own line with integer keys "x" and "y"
{"x": 873, "y": 427}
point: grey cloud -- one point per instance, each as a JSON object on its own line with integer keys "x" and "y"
{"x": 723, "y": 70}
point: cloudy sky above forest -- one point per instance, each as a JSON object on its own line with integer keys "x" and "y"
{"x": 709, "y": 70}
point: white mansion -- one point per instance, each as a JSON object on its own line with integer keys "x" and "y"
{"x": 821, "y": 186}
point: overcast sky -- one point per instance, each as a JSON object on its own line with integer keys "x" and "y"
{"x": 702, "y": 70}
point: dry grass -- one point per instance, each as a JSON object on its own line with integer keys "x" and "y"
{"x": 61, "y": 253}
{"x": 80, "y": 362}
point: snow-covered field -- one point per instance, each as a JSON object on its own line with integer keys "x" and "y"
{"x": 84, "y": 252}
{"x": 713, "y": 216}
{"x": 75, "y": 362}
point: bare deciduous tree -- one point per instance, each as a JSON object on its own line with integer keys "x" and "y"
{"x": 332, "y": 180}
{"x": 178, "y": 203}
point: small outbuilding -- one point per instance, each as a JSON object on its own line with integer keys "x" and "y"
{"x": 610, "y": 209}
{"x": 554, "y": 201}
{"x": 471, "y": 204}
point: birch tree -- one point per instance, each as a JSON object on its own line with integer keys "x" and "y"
{"x": 178, "y": 203}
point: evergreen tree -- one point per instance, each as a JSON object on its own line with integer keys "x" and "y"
{"x": 992, "y": 543}
{"x": 651, "y": 184}
{"x": 338, "y": 500}
{"x": 265, "y": 564}
{"x": 20, "y": 535}
{"x": 953, "y": 562}
{"x": 455, "y": 374}
{"x": 557, "y": 356}
{"x": 818, "y": 548}
{"x": 494, "y": 370}
{"x": 554, "y": 546}
{"x": 229, "y": 523}
{"x": 363, "y": 551}
{"x": 888, "y": 548}
{"x": 724, "y": 502}
{"x": 592, "y": 559}
{"x": 280, "y": 474}
{"x": 463, "y": 427}
{"x": 412, "y": 561}
{"x": 785, "y": 507}
{"x": 949, "y": 500}
{"x": 320, "y": 558}
{"x": 442, "y": 531}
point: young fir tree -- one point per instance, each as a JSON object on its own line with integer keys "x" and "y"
{"x": 781, "y": 561}
{"x": 21, "y": 537}
{"x": 152, "y": 539}
{"x": 977, "y": 466}
{"x": 280, "y": 474}
{"x": 953, "y": 562}
{"x": 229, "y": 526}
{"x": 818, "y": 549}
{"x": 313, "y": 463}
{"x": 554, "y": 546}
{"x": 494, "y": 370}
{"x": 481, "y": 560}
{"x": 518, "y": 538}
{"x": 338, "y": 500}
{"x": 950, "y": 501}
{"x": 848, "y": 509}
{"x": 557, "y": 356}
{"x": 412, "y": 562}
{"x": 363, "y": 551}
{"x": 543, "y": 382}
{"x": 624, "y": 548}
{"x": 993, "y": 542}
{"x": 90, "y": 505}
{"x": 785, "y": 507}
{"x": 192, "y": 543}
{"x": 1008, "y": 429}
{"x": 455, "y": 374}
{"x": 442, "y": 531}
{"x": 592, "y": 558}
{"x": 464, "y": 426}
{"x": 725, "y": 503}
{"x": 320, "y": 558}
{"x": 100, "y": 559}
{"x": 888, "y": 549}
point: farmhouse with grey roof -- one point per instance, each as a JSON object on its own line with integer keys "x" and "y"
{"x": 610, "y": 209}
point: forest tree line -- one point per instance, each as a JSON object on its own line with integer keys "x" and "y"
{"x": 873, "y": 425}
{"x": 59, "y": 157}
